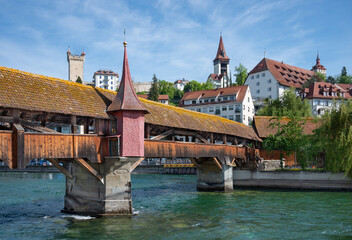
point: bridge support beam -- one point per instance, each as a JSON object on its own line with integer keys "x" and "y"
{"x": 213, "y": 175}
{"x": 86, "y": 194}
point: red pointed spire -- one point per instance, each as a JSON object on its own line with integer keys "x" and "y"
{"x": 318, "y": 59}
{"x": 221, "y": 54}
{"x": 126, "y": 97}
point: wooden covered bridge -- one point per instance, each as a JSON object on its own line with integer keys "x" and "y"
{"x": 120, "y": 130}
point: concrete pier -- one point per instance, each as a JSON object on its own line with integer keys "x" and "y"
{"x": 86, "y": 194}
{"x": 214, "y": 177}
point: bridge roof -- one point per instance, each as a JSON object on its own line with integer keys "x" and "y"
{"x": 32, "y": 92}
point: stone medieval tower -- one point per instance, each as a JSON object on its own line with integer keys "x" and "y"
{"x": 75, "y": 66}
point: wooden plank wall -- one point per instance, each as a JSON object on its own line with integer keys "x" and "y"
{"x": 44, "y": 145}
{"x": 276, "y": 154}
{"x": 170, "y": 149}
{"x": 6, "y": 147}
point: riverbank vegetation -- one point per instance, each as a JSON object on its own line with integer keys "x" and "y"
{"x": 330, "y": 144}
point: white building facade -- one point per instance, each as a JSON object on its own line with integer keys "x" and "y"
{"x": 270, "y": 78}
{"x": 180, "y": 84}
{"x": 106, "y": 79}
{"x": 233, "y": 103}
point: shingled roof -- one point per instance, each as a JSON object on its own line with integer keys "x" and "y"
{"x": 285, "y": 74}
{"x": 27, "y": 91}
{"x": 221, "y": 54}
{"x": 264, "y": 130}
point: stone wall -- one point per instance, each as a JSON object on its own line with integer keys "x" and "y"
{"x": 291, "y": 179}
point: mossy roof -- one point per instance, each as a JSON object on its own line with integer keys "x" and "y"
{"x": 27, "y": 91}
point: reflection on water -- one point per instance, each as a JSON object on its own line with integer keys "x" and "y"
{"x": 169, "y": 207}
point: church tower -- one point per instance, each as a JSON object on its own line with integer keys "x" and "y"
{"x": 221, "y": 64}
{"x": 75, "y": 66}
{"x": 318, "y": 68}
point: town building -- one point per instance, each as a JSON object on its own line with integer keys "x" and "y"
{"x": 106, "y": 79}
{"x": 162, "y": 98}
{"x": 323, "y": 96}
{"x": 318, "y": 68}
{"x": 220, "y": 78}
{"x": 270, "y": 78}
{"x": 234, "y": 103}
{"x": 180, "y": 84}
{"x": 75, "y": 66}
{"x": 142, "y": 86}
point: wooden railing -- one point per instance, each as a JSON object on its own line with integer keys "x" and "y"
{"x": 277, "y": 155}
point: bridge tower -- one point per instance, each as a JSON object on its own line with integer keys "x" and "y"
{"x": 221, "y": 64}
{"x": 75, "y": 66}
{"x": 109, "y": 191}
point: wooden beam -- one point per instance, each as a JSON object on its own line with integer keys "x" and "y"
{"x": 211, "y": 138}
{"x": 224, "y": 139}
{"x": 194, "y": 161}
{"x": 201, "y": 138}
{"x": 73, "y": 122}
{"x": 163, "y": 135}
{"x": 89, "y": 168}
{"x": 136, "y": 164}
{"x": 147, "y": 130}
{"x": 61, "y": 168}
{"x": 217, "y": 163}
{"x": 17, "y": 147}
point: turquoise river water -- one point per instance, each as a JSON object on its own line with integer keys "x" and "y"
{"x": 169, "y": 207}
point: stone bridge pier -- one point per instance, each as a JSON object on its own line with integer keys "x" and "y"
{"x": 107, "y": 192}
{"x": 214, "y": 174}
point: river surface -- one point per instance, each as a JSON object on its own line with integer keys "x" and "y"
{"x": 169, "y": 207}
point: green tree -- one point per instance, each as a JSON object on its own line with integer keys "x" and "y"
{"x": 287, "y": 105}
{"x": 79, "y": 80}
{"x": 207, "y": 85}
{"x": 154, "y": 90}
{"x": 344, "y": 77}
{"x": 331, "y": 80}
{"x": 167, "y": 88}
{"x": 317, "y": 77}
{"x": 240, "y": 74}
{"x": 335, "y": 138}
{"x": 192, "y": 86}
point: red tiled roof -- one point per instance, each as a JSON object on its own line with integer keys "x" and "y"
{"x": 240, "y": 91}
{"x": 262, "y": 125}
{"x": 317, "y": 89}
{"x": 106, "y": 72}
{"x": 285, "y": 74}
{"x": 215, "y": 77}
{"x": 346, "y": 87}
{"x": 161, "y": 97}
{"x": 221, "y": 54}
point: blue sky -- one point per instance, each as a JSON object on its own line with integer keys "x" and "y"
{"x": 173, "y": 39}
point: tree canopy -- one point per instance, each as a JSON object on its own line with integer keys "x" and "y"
{"x": 317, "y": 77}
{"x": 154, "y": 90}
{"x": 334, "y": 137}
{"x": 79, "y": 80}
{"x": 288, "y": 105}
{"x": 240, "y": 74}
{"x": 196, "y": 86}
{"x": 344, "y": 77}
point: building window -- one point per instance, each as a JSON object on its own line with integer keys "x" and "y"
{"x": 224, "y": 108}
{"x": 230, "y": 117}
{"x": 248, "y": 99}
{"x": 192, "y": 109}
{"x": 206, "y": 100}
{"x": 269, "y": 89}
{"x": 269, "y": 80}
{"x": 238, "y": 109}
{"x": 257, "y": 76}
{"x": 232, "y": 97}
{"x": 238, "y": 118}
{"x": 212, "y": 100}
{"x": 252, "y": 77}
{"x": 230, "y": 107}
{"x": 244, "y": 107}
{"x": 217, "y": 110}
{"x": 244, "y": 118}
{"x": 224, "y": 98}
{"x": 269, "y": 96}
{"x": 263, "y": 74}
{"x": 249, "y": 110}
{"x": 257, "y": 84}
{"x": 258, "y": 91}
{"x": 199, "y": 110}
{"x": 205, "y": 110}
{"x": 211, "y": 109}
{"x": 193, "y": 102}
{"x": 224, "y": 116}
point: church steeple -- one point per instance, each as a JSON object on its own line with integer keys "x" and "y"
{"x": 318, "y": 68}
{"x": 221, "y": 65}
{"x": 221, "y": 54}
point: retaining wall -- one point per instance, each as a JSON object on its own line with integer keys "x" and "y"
{"x": 291, "y": 179}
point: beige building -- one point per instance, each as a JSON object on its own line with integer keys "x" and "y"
{"x": 75, "y": 66}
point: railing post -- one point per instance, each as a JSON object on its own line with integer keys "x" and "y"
{"x": 17, "y": 147}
